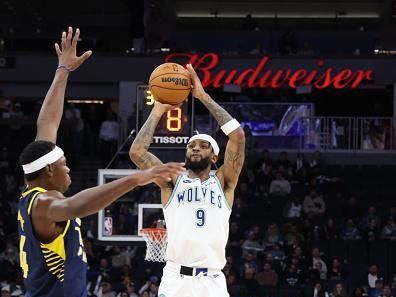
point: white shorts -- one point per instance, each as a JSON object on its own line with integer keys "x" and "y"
{"x": 174, "y": 284}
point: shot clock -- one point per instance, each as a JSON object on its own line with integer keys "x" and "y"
{"x": 175, "y": 126}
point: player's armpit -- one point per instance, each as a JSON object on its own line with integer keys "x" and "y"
{"x": 234, "y": 158}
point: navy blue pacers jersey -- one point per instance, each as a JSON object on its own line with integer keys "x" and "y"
{"x": 50, "y": 269}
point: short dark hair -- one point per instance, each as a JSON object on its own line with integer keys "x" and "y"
{"x": 32, "y": 152}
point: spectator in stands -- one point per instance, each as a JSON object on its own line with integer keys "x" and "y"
{"x": 316, "y": 258}
{"x": 9, "y": 264}
{"x": 285, "y": 163}
{"x": 330, "y": 230}
{"x": 250, "y": 245}
{"x": 131, "y": 289}
{"x": 293, "y": 236}
{"x": 314, "y": 205}
{"x": 106, "y": 290}
{"x": 280, "y": 187}
{"x": 387, "y": 291}
{"x": 5, "y": 290}
{"x": 389, "y": 230}
{"x": 233, "y": 285}
{"x": 371, "y": 218}
{"x": 272, "y": 236}
{"x": 249, "y": 281}
{"x": 277, "y": 252}
{"x": 350, "y": 231}
{"x": 249, "y": 262}
{"x": 339, "y": 291}
{"x": 373, "y": 276}
{"x": 300, "y": 168}
{"x": 317, "y": 161}
{"x": 291, "y": 277}
{"x": 336, "y": 272}
{"x": 358, "y": 292}
{"x": 267, "y": 277}
{"x": 317, "y": 291}
{"x": 378, "y": 288}
{"x": 392, "y": 213}
{"x": 293, "y": 209}
{"x": 322, "y": 269}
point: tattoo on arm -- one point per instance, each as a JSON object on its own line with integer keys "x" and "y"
{"x": 147, "y": 160}
{"x": 219, "y": 113}
{"x": 142, "y": 143}
{"x": 236, "y": 157}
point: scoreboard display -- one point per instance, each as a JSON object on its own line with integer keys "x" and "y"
{"x": 175, "y": 126}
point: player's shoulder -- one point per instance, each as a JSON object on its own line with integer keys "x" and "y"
{"x": 48, "y": 197}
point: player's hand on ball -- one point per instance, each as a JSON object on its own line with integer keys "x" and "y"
{"x": 67, "y": 53}
{"x": 164, "y": 107}
{"x": 161, "y": 173}
{"x": 197, "y": 88}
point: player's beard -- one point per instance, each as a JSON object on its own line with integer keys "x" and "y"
{"x": 197, "y": 166}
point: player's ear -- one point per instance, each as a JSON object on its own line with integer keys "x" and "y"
{"x": 214, "y": 158}
{"x": 49, "y": 170}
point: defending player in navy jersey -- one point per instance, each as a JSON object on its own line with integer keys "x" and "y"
{"x": 52, "y": 254}
{"x": 196, "y": 205}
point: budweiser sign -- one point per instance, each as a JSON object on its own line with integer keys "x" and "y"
{"x": 261, "y": 76}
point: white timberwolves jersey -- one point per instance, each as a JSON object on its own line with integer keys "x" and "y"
{"x": 197, "y": 216}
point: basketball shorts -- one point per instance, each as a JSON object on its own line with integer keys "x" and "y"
{"x": 201, "y": 284}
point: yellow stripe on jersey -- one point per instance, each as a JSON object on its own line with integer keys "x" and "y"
{"x": 55, "y": 254}
{"x": 41, "y": 190}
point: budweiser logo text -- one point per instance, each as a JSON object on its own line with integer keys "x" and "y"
{"x": 260, "y": 76}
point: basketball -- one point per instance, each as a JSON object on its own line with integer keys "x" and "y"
{"x": 170, "y": 83}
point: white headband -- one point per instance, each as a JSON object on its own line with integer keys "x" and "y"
{"x": 209, "y": 139}
{"x": 43, "y": 161}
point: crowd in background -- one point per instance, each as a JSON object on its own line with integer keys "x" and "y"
{"x": 282, "y": 208}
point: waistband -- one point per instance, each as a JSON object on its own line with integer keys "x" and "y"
{"x": 191, "y": 271}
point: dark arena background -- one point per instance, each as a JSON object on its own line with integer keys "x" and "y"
{"x": 311, "y": 82}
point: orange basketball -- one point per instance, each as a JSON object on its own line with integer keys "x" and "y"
{"x": 170, "y": 83}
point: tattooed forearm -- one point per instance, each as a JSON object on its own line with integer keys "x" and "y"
{"x": 145, "y": 136}
{"x": 219, "y": 113}
{"x": 139, "y": 149}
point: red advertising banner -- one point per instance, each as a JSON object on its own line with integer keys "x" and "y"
{"x": 261, "y": 76}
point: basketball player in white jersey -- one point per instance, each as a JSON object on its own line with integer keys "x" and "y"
{"x": 196, "y": 205}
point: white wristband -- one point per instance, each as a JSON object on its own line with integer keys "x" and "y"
{"x": 230, "y": 126}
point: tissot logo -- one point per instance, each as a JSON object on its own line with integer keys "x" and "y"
{"x": 171, "y": 139}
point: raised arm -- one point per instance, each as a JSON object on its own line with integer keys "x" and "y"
{"x": 138, "y": 152}
{"x": 54, "y": 207}
{"x": 51, "y": 112}
{"x": 235, "y": 151}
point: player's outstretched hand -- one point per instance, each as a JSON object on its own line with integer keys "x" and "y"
{"x": 197, "y": 88}
{"x": 160, "y": 173}
{"x": 67, "y": 53}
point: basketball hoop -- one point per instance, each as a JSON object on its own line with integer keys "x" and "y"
{"x": 156, "y": 239}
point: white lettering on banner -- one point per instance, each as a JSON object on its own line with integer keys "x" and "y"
{"x": 171, "y": 139}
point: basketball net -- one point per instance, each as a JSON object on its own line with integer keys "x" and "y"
{"x": 156, "y": 239}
